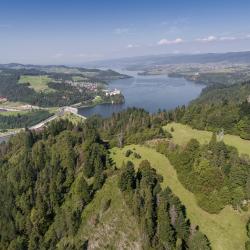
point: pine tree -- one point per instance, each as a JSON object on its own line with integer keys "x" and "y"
{"x": 127, "y": 177}
{"x": 165, "y": 230}
{"x": 213, "y": 141}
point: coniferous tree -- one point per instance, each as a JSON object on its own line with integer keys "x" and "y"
{"x": 165, "y": 230}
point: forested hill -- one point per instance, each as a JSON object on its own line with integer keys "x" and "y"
{"x": 53, "y": 86}
{"x": 219, "y": 108}
{"x": 57, "y": 187}
{"x": 236, "y": 93}
{"x": 88, "y": 72}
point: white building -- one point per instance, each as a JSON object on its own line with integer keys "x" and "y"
{"x": 112, "y": 93}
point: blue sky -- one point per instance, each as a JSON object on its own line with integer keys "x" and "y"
{"x": 74, "y": 31}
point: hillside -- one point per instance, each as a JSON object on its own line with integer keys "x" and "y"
{"x": 107, "y": 223}
{"x": 55, "y": 86}
{"x": 219, "y": 108}
{"x": 65, "y": 192}
{"x": 182, "y": 134}
{"x": 70, "y": 187}
{"x": 225, "y": 230}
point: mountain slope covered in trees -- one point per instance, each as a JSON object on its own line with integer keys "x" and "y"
{"x": 218, "y": 108}
{"x": 60, "y": 190}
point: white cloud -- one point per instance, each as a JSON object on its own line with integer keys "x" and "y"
{"x": 165, "y": 23}
{"x": 165, "y": 41}
{"x": 131, "y": 46}
{"x": 207, "y": 39}
{"x": 214, "y": 38}
{"x": 80, "y": 55}
{"x": 88, "y": 56}
{"x": 227, "y": 38}
{"x": 178, "y": 21}
{"x": 121, "y": 31}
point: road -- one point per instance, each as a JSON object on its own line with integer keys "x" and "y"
{"x": 41, "y": 124}
{"x": 60, "y": 112}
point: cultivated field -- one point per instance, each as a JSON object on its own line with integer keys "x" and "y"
{"x": 183, "y": 133}
{"x": 226, "y": 230}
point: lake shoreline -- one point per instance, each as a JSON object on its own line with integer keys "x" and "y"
{"x": 148, "y": 92}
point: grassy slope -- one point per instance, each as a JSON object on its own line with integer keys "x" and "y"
{"x": 116, "y": 227}
{"x": 225, "y": 230}
{"x": 183, "y": 133}
{"x": 75, "y": 119}
{"x": 38, "y": 83}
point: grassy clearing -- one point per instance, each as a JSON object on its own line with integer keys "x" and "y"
{"x": 183, "y": 133}
{"x": 38, "y": 83}
{"x": 75, "y": 119}
{"x": 13, "y": 113}
{"x": 225, "y": 230}
{"x": 109, "y": 228}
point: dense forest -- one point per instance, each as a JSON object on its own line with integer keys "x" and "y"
{"x": 23, "y": 120}
{"x": 132, "y": 125}
{"x": 214, "y": 172}
{"x": 160, "y": 214}
{"x": 47, "y": 179}
{"x": 220, "y": 108}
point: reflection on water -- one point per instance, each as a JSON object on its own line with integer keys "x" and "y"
{"x": 149, "y": 92}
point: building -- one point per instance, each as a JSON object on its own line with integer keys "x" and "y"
{"x": 112, "y": 93}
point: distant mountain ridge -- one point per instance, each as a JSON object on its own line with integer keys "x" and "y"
{"x": 150, "y": 60}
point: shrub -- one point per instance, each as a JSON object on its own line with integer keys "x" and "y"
{"x": 128, "y": 153}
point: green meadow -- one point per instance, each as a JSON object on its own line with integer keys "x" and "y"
{"x": 183, "y": 133}
{"x": 226, "y": 230}
{"x": 38, "y": 83}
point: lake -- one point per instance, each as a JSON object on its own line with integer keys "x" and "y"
{"x": 149, "y": 92}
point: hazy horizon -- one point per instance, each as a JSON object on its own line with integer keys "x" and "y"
{"x": 75, "y": 32}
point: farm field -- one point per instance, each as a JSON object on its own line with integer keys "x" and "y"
{"x": 183, "y": 133}
{"x": 226, "y": 230}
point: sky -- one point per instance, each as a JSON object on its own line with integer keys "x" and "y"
{"x": 77, "y": 31}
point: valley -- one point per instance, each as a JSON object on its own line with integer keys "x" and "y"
{"x": 124, "y": 125}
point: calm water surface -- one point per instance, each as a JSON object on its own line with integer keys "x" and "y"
{"x": 149, "y": 92}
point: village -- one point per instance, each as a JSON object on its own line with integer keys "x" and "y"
{"x": 93, "y": 86}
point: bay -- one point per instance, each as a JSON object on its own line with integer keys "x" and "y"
{"x": 152, "y": 93}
